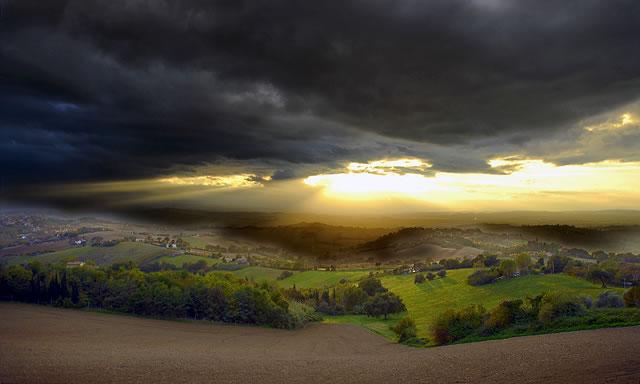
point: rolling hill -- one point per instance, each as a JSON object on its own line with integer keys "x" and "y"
{"x": 427, "y": 300}
{"x": 120, "y": 253}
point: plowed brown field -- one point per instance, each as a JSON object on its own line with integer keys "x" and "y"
{"x": 43, "y": 344}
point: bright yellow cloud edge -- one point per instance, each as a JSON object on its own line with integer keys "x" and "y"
{"x": 513, "y": 178}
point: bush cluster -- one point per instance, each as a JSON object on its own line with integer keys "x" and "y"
{"x": 405, "y": 329}
{"x": 368, "y": 297}
{"x": 609, "y": 300}
{"x": 482, "y": 277}
{"x": 538, "y": 312}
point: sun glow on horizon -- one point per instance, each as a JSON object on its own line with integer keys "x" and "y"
{"x": 375, "y": 178}
{"x": 514, "y": 179}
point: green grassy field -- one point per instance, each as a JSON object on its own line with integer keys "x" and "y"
{"x": 305, "y": 279}
{"x": 186, "y": 258}
{"x": 196, "y": 241}
{"x": 119, "y": 253}
{"x": 425, "y": 301}
{"x": 320, "y": 279}
{"x": 258, "y": 273}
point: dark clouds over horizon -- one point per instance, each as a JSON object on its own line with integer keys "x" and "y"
{"x": 114, "y": 90}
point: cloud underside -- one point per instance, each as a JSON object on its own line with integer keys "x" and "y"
{"x": 384, "y": 186}
{"x": 96, "y": 91}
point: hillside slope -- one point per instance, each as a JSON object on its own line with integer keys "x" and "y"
{"x": 427, "y": 300}
{"x": 120, "y": 253}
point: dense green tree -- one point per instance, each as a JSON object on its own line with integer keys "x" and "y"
{"x": 353, "y": 297}
{"x": 372, "y": 286}
{"x": 523, "y": 262}
{"x": 481, "y": 277}
{"x": 507, "y": 268}
{"x": 556, "y": 264}
{"x": 19, "y": 282}
{"x": 600, "y": 275}
{"x": 382, "y": 304}
{"x": 491, "y": 261}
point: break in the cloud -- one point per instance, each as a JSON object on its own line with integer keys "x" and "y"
{"x": 126, "y": 90}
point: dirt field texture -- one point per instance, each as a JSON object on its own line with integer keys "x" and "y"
{"x": 50, "y": 345}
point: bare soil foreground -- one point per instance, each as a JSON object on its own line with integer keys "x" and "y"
{"x": 42, "y": 344}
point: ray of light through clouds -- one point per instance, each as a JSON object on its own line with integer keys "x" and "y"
{"x": 228, "y": 181}
{"x": 625, "y": 120}
{"x": 518, "y": 183}
{"x": 322, "y": 106}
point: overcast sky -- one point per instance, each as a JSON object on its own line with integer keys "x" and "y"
{"x": 124, "y": 90}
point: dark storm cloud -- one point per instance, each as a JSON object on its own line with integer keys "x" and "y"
{"x": 129, "y": 89}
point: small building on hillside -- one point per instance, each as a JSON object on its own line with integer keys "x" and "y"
{"x": 75, "y": 264}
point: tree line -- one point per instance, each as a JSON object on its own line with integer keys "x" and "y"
{"x": 367, "y": 297}
{"x": 537, "y": 314}
{"x": 166, "y": 294}
{"x": 607, "y": 273}
{"x": 212, "y": 296}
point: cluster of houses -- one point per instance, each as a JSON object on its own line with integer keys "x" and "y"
{"x": 235, "y": 259}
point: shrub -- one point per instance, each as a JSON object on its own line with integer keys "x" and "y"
{"x": 507, "y": 268}
{"x": 18, "y": 282}
{"x": 430, "y": 276}
{"x": 442, "y": 273}
{"x": 419, "y": 279}
{"x": 284, "y": 275}
{"x": 353, "y": 297}
{"x": 632, "y": 297}
{"x": 454, "y": 325}
{"x": 555, "y": 306}
{"x": 601, "y": 276}
{"x": 523, "y": 261}
{"x": 609, "y": 300}
{"x": 556, "y": 264}
{"x": 506, "y": 313}
{"x": 491, "y": 261}
{"x": 531, "y": 306}
{"x": 405, "y": 329}
{"x": 302, "y": 314}
{"x": 371, "y": 286}
{"x": 482, "y": 277}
